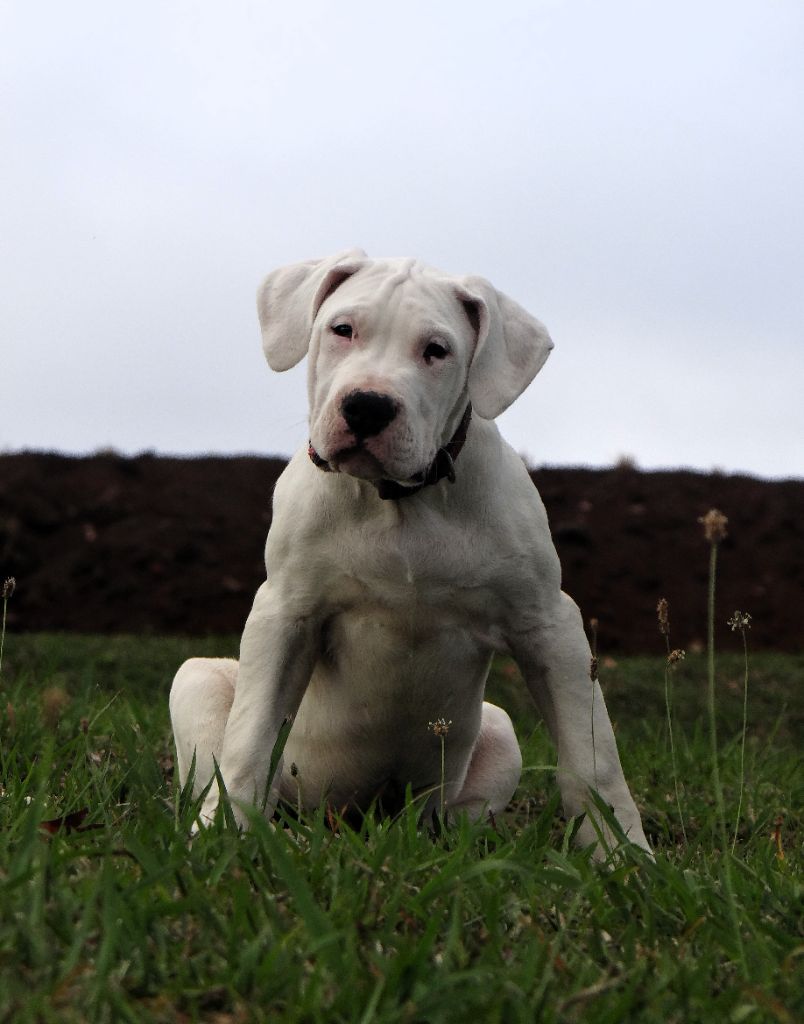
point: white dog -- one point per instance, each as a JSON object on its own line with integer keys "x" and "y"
{"x": 408, "y": 546}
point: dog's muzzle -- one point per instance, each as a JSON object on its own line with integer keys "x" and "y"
{"x": 367, "y": 412}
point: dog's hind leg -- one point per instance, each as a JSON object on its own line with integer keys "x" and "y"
{"x": 200, "y": 700}
{"x": 494, "y": 768}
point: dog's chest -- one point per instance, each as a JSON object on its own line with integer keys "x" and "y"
{"x": 413, "y": 586}
{"x": 381, "y": 677}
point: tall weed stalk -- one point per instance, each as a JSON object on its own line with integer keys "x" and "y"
{"x": 673, "y": 657}
{"x": 440, "y": 728}
{"x": 714, "y": 524}
{"x": 742, "y": 621}
{"x": 8, "y": 590}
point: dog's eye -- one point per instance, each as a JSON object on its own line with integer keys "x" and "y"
{"x": 435, "y": 351}
{"x": 342, "y": 330}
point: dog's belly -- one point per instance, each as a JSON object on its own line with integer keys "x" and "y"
{"x": 363, "y": 724}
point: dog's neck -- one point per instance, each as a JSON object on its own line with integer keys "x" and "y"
{"x": 443, "y": 465}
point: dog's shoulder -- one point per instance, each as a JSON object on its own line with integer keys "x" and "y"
{"x": 499, "y": 477}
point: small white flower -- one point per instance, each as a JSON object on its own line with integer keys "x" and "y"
{"x": 740, "y": 620}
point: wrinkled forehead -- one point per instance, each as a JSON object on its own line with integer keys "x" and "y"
{"x": 392, "y": 293}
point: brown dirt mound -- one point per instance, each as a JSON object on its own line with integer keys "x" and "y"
{"x": 113, "y": 544}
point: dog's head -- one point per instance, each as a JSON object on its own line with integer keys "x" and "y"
{"x": 397, "y": 350}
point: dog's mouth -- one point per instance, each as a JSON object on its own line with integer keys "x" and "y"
{"x": 356, "y": 460}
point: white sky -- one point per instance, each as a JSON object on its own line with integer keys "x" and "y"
{"x": 631, "y": 172}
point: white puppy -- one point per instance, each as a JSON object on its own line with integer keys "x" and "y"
{"x": 408, "y": 546}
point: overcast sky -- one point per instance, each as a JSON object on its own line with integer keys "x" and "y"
{"x": 632, "y": 173}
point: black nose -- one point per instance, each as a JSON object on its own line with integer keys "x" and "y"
{"x": 367, "y": 413}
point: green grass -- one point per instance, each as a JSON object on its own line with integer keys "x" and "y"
{"x": 114, "y": 916}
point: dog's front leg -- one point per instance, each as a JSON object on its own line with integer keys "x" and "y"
{"x": 277, "y": 654}
{"x": 554, "y": 656}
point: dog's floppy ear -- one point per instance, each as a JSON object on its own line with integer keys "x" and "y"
{"x": 288, "y": 300}
{"x": 512, "y": 347}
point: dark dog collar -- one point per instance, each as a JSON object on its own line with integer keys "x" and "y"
{"x": 443, "y": 465}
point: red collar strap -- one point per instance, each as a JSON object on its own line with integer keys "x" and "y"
{"x": 443, "y": 465}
